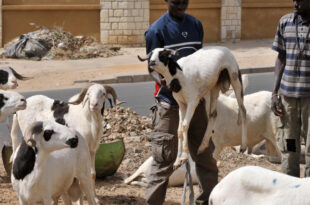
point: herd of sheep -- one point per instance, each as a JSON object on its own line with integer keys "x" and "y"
{"x": 60, "y": 136}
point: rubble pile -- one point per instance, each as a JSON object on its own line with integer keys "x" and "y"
{"x": 63, "y": 45}
{"x": 124, "y": 123}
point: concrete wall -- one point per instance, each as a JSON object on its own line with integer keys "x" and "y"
{"x": 260, "y": 17}
{"x": 80, "y": 17}
{"x": 123, "y": 22}
{"x": 231, "y": 20}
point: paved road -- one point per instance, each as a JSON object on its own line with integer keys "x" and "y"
{"x": 139, "y": 96}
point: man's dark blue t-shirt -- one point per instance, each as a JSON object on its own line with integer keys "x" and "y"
{"x": 167, "y": 32}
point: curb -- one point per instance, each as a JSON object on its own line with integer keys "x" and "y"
{"x": 147, "y": 77}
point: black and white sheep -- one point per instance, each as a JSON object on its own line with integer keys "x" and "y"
{"x": 9, "y": 77}
{"x": 44, "y": 167}
{"x": 83, "y": 113}
{"x": 201, "y": 74}
{"x": 10, "y": 102}
{"x": 259, "y": 186}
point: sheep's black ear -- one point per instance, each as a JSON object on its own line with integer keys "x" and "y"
{"x": 48, "y": 134}
{"x": 4, "y": 76}
{"x": 2, "y": 98}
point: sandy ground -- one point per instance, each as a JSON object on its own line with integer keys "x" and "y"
{"x": 62, "y": 74}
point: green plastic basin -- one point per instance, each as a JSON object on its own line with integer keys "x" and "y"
{"x": 108, "y": 158}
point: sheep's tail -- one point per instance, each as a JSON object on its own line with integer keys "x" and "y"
{"x": 19, "y": 76}
{"x": 14, "y": 135}
{"x": 110, "y": 90}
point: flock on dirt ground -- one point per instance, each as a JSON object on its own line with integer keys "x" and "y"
{"x": 60, "y": 136}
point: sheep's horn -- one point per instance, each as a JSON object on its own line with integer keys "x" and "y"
{"x": 34, "y": 128}
{"x": 19, "y": 76}
{"x": 110, "y": 90}
{"x": 143, "y": 59}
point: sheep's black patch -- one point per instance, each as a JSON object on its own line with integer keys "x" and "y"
{"x": 24, "y": 161}
{"x": 48, "y": 134}
{"x": 291, "y": 145}
{"x": 165, "y": 57}
{"x": 175, "y": 85}
{"x": 60, "y": 109}
{"x": 2, "y": 99}
{"x": 4, "y": 77}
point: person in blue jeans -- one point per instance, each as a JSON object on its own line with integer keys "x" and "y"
{"x": 182, "y": 32}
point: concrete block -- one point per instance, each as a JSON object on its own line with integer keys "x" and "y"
{"x": 105, "y": 26}
{"x": 106, "y": 5}
{"x": 118, "y": 13}
{"x": 127, "y": 12}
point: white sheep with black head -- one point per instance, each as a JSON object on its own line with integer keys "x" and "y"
{"x": 48, "y": 162}
{"x": 10, "y": 102}
{"x": 200, "y": 75}
{"x": 9, "y": 77}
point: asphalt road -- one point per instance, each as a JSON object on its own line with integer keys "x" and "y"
{"x": 139, "y": 96}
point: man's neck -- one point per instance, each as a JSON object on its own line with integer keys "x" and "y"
{"x": 176, "y": 18}
{"x": 305, "y": 17}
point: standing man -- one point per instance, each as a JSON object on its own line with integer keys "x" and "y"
{"x": 292, "y": 77}
{"x": 179, "y": 31}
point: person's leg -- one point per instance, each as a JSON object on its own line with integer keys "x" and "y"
{"x": 305, "y": 124}
{"x": 164, "y": 151}
{"x": 288, "y": 136}
{"x": 206, "y": 168}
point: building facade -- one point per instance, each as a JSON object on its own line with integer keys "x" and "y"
{"x": 123, "y": 22}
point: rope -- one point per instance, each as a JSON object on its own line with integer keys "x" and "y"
{"x": 188, "y": 177}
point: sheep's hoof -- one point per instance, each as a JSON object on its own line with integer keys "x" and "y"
{"x": 180, "y": 161}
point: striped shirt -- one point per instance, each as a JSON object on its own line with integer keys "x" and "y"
{"x": 295, "y": 81}
{"x": 185, "y": 36}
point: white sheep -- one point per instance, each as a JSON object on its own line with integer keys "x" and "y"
{"x": 201, "y": 74}
{"x": 10, "y": 102}
{"x": 259, "y": 186}
{"x": 176, "y": 179}
{"x": 261, "y": 122}
{"x": 8, "y": 78}
{"x": 44, "y": 167}
{"x": 84, "y": 115}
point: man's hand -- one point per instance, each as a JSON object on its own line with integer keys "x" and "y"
{"x": 276, "y": 105}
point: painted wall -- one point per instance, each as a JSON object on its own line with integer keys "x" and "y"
{"x": 80, "y": 17}
{"x": 260, "y": 17}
